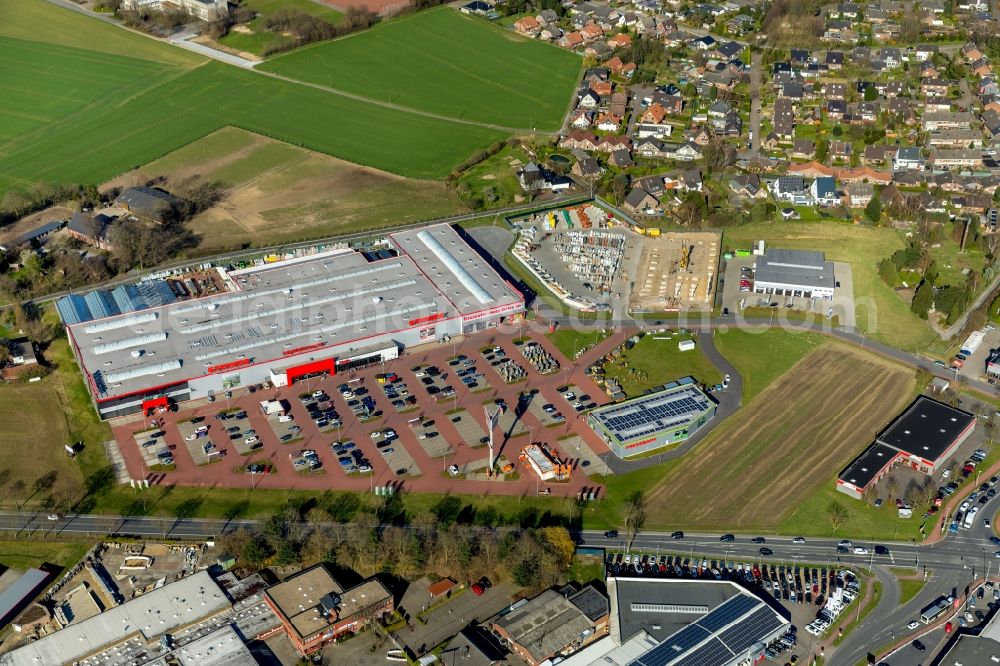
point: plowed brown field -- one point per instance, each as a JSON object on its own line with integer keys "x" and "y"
{"x": 772, "y": 454}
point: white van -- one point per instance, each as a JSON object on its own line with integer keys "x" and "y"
{"x": 284, "y": 418}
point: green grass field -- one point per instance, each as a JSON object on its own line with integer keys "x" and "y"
{"x": 569, "y": 340}
{"x": 88, "y": 116}
{"x": 881, "y": 314}
{"x": 653, "y": 362}
{"x": 448, "y": 63}
{"x": 762, "y": 355}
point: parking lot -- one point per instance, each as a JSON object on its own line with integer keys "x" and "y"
{"x": 152, "y": 447}
{"x": 545, "y": 411}
{"x": 737, "y": 298}
{"x": 509, "y": 371}
{"x": 574, "y": 446}
{"x": 197, "y": 441}
{"x": 459, "y": 438}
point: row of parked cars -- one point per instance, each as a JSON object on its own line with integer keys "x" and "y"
{"x": 849, "y": 589}
{"x": 351, "y": 458}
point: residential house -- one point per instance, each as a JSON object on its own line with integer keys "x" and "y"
{"x": 803, "y": 148}
{"x": 591, "y": 32}
{"x": 799, "y": 57}
{"x": 655, "y": 130}
{"x": 477, "y": 7}
{"x": 581, "y": 119}
{"x": 901, "y": 109}
{"x": 858, "y": 195}
{"x": 690, "y": 180}
{"x": 609, "y": 144}
{"x": 571, "y": 40}
{"x": 547, "y": 17}
{"x": 955, "y": 139}
{"x": 551, "y": 33}
{"x": 934, "y": 87}
{"x": 747, "y": 185}
{"x": 688, "y": 152}
{"x": 651, "y": 147}
{"x": 621, "y": 158}
{"x": 608, "y": 122}
{"x": 641, "y": 201}
{"x": 602, "y": 88}
{"x": 531, "y": 177}
{"x": 620, "y": 68}
{"x": 581, "y": 140}
{"x": 991, "y": 125}
{"x": 824, "y": 191}
{"x": 590, "y": 99}
{"x": 791, "y": 189}
{"x": 835, "y": 91}
{"x": 720, "y": 80}
{"x": 587, "y": 167}
{"x": 810, "y": 170}
{"x": 834, "y": 59}
{"x": 836, "y": 109}
{"x": 620, "y": 41}
{"x": 528, "y": 25}
{"x": 653, "y": 115}
{"x": 878, "y": 153}
{"x": 908, "y": 158}
{"x": 784, "y": 119}
{"x": 91, "y": 229}
{"x": 619, "y": 101}
{"x": 940, "y": 120}
{"x": 706, "y": 43}
{"x": 841, "y": 150}
{"x": 955, "y": 158}
{"x": 672, "y": 104}
{"x": 729, "y": 50}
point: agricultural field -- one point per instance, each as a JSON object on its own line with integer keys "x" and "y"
{"x": 743, "y": 346}
{"x": 279, "y": 192}
{"x": 121, "y": 112}
{"x": 447, "y": 63}
{"x": 254, "y": 38}
{"x": 881, "y": 314}
{"x": 764, "y": 462}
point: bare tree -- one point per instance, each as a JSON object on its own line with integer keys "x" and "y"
{"x": 837, "y": 513}
{"x": 892, "y": 485}
{"x": 635, "y": 514}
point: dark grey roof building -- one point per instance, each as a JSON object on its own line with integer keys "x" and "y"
{"x": 794, "y": 272}
{"x": 149, "y": 202}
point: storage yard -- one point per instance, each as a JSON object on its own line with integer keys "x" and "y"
{"x": 589, "y": 259}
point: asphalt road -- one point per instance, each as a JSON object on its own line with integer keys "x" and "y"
{"x": 755, "y": 103}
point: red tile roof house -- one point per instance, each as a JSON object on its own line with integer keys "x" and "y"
{"x": 528, "y": 25}
{"x": 620, "y": 41}
{"x": 571, "y": 40}
{"x": 610, "y": 144}
{"x": 591, "y": 31}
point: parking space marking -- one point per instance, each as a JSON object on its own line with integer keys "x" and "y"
{"x": 195, "y": 433}
{"x": 468, "y": 428}
{"x": 153, "y": 447}
{"x": 574, "y": 447}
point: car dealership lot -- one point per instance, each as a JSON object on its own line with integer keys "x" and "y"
{"x": 459, "y": 438}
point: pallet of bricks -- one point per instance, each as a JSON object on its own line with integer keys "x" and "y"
{"x": 593, "y": 256}
{"x": 540, "y": 360}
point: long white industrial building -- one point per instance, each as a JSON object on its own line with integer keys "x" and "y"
{"x": 282, "y": 321}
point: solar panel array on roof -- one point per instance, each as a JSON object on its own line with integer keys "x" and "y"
{"x": 653, "y": 413}
{"x": 727, "y": 613}
{"x": 712, "y": 653}
{"x": 748, "y": 631}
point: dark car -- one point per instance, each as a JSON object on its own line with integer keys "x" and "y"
{"x": 766, "y": 552}
{"x": 919, "y": 646}
{"x": 881, "y": 550}
{"x": 611, "y": 534}
{"x": 401, "y": 471}
{"x": 758, "y": 540}
{"x": 677, "y": 535}
{"x": 727, "y": 537}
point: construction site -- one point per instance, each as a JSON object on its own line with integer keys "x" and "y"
{"x": 589, "y": 259}
{"x": 677, "y": 272}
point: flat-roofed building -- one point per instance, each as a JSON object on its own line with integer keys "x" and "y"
{"x": 923, "y": 437}
{"x": 315, "y": 609}
{"x": 554, "y": 624}
{"x": 794, "y": 273}
{"x": 289, "y": 319}
{"x": 661, "y": 418}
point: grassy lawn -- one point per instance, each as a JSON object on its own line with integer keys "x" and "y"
{"x": 881, "y": 314}
{"x": 570, "y": 340}
{"x": 24, "y": 554}
{"x": 652, "y": 362}
{"x": 762, "y": 355}
{"x": 909, "y": 588}
{"x": 445, "y": 62}
{"x": 585, "y": 569}
{"x": 494, "y": 179}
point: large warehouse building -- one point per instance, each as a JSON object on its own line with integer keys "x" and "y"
{"x": 282, "y": 321}
{"x": 923, "y": 438}
{"x": 794, "y": 273}
{"x": 654, "y": 420}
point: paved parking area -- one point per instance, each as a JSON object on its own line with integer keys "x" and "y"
{"x": 152, "y": 446}
{"x": 575, "y": 447}
{"x": 510, "y": 372}
{"x": 195, "y": 435}
{"x": 469, "y": 431}
{"x": 430, "y": 439}
{"x": 285, "y": 431}
{"x": 425, "y": 473}
{"x": 234, "y": 431}
{"x": 548, "y": 418}
{"x": 395, "y": 455}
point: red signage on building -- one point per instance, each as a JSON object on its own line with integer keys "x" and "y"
{"x": 306, "y": 369}
{"x": 426, "y": 320}
{"x": 299, "y": 350}
{"x": 154, "y": 403}
{"x": 226, "y": 367}
{"x": 641, "y": 442}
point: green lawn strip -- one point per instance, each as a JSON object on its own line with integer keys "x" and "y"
{"x": 571, "y": 340}
{"x": 909, "y": 588}
{"x": 444, "y": 62}
{"x": 858, "y": 616}
{"x": 32, "y": 552}
{"x": 881, "y": 313}
{"x": 761, "y": 355}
